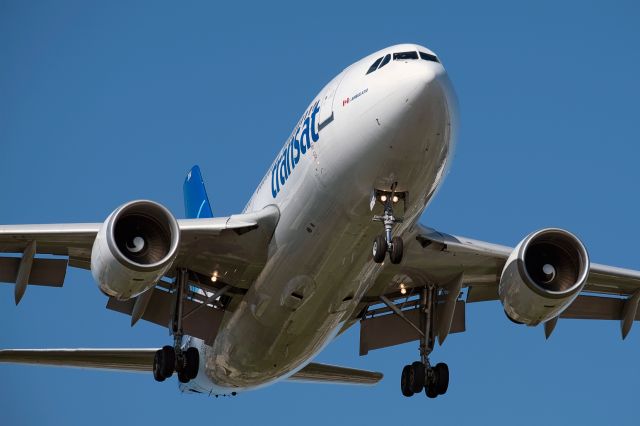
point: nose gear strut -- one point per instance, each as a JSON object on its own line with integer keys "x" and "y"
{"x": 384, "y": 243}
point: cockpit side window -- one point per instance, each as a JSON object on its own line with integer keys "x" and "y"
{"x": 428, "y": 57}
{"x": 405, "y": 55}
{"x": 385, "y": 61}
{"x": 374, "y": 66}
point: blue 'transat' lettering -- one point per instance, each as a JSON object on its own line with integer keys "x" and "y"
{"x": 298, "y": 145}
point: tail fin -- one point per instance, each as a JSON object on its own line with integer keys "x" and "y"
{"x": 196, "y": 202}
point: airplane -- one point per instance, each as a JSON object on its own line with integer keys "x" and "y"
{"x": 330, "y": 238}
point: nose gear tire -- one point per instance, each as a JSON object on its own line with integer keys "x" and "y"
{"x": 395, "y": 255}
{"x": 379, "y": 248}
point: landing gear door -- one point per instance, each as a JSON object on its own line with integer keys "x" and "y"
{"x": 325, "y": 115}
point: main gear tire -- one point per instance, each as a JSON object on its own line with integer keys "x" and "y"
{"x": 405, "y": 385}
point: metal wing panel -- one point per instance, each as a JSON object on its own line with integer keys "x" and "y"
{"x": 612, "y": 280}
{"x": 236, "y": 247}
{"x": 133, "y": 360}
{"x": 435, "y": 257}
{"x": 595, "y": 307}
{"x": 326, "y": 373}
{"x": 390, "y": 330}
{"x": 438, "y": 256}
{"x": 203, "y": 323}
{"x": 46, "y": 272}
{"x": 56, "y": 239}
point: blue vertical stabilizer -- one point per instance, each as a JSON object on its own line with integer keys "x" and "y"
{"x": 196, "y": 202}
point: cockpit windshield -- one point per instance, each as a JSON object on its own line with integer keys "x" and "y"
{"x": 399, "y": 56}
{"x": 405, "y": 55}
{"x": 428, "y": 57}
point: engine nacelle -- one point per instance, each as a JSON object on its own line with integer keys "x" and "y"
{"x": 134, "y": 248}
{"x": 543, "y": 275}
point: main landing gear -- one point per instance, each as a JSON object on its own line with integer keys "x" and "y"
{"x": 175, "y": 358}
{"x": 384, "y": 243}
{"x": 420, "y": 374}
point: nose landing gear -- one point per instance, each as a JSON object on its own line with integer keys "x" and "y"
{"x": 384, "y": 243}
{"x": 175, "y": 358}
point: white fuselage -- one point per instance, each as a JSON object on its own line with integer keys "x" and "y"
{"x": 394, "y": 126}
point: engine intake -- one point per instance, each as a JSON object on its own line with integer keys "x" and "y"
{"x": 543, "y": 275}
{"x": 134, "y": 248}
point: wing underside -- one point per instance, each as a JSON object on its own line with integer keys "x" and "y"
{"x": 235, "y": 247}
{"x": 141, "y": 360}
{"x": 468, "y": 271}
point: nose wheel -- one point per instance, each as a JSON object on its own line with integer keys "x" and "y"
{"x": 384, "y": 243}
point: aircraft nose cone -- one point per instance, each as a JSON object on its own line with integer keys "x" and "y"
{"x": 428, "y": 88}
{"x": 426, "y": 80}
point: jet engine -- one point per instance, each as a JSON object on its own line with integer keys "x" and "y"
{"x": 543, "y": 275}
{"x": 134, "y": 248}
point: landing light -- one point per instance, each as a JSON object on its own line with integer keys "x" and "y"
{"x": 214, "y": 277}
{"x": 395, "y": 198}
{"x": 383, "y": 198}
{"x": 403, "y": 290}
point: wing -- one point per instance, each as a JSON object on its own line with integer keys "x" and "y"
{"x": 457, "y": 263}
{"x": 131, "y": 360}
{"x": 482, "y": 265}
{"x": 141, "y": 360}
{"x": 226, "y": 240}
{"x": 235, "y": 246}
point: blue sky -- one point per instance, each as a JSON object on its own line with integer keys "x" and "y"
{"x": 105, "y": 102}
